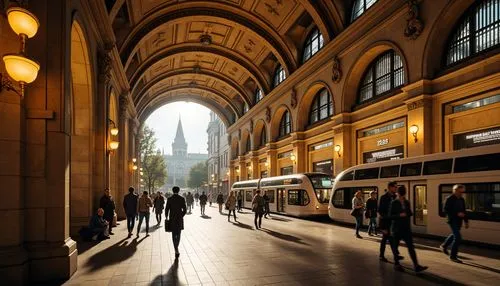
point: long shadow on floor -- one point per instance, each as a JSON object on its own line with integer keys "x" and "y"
{"x": 206, "y": 217}
{"x": 116, "y": 253}
{"x": 242, "y": 225}
{"x": 83, "y": 246}
{"x": 170, "y": 278}
{"x": 280, "y": 219}
{"x": 283, "y": 236}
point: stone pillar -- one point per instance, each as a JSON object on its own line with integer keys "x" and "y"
{"x": 299, "y": 149}
{"x": 343, "y": 159}
{"x": 243, "y": 168}
{"x": 124, "y": 159}
{"x": 420, "y": 114}
{"x": 255, "y": 166}
{"x": 272, "y": 160}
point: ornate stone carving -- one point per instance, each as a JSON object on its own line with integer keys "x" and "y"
{"x": 251, "y": 125}
{"x": 414, "y": 25}
{"x": 124, "y": 102}
{"x": 336, "y": 70}
{"x": 268, "y": 114}
{"x": 293, "y": 99}
{"x": 104, "y": 64}
{"x": 416, "y": 104}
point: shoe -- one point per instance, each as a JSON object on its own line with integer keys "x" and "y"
{"x": 137, "y": 235}
{"x": 383, "y": 259}
{"x": 358, "y": 236}
{"x": 399, "y": 257}
{"x": 129, "y": 235}
{"x": 177, "y": 255}
{"x": 111, "y": 233}
{"x": 456, "y": 260}
{"x": 147, "y": 234}
{"x": 444, "y": 249}
{"x": 399, "y": 268}
{"x": 420, "y": 268}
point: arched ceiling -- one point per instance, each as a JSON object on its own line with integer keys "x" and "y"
{"x": 164, "y": 57}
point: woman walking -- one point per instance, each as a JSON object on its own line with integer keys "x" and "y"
{"x": 231, "y": 205}
{"x": 258, "y": 208}
{"x": 357, "y": 211}
{"x": 371, "y": 213}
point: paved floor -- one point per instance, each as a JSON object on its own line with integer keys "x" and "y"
{"x": 287, "y": 251}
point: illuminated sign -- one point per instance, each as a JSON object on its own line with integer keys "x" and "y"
{"x": 383, "y": 142}
{"x": 477, "y": 138}
{"x": 384, "y": 154}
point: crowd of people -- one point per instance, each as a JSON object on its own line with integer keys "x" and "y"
{"x": 390, "y": 215}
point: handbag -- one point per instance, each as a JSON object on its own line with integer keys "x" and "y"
{"x": 167, "y": 226}
{"x": 355, "y": 212}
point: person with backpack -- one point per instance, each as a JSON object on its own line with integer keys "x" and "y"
{"x": 258, "y": 208}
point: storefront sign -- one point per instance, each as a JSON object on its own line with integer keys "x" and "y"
{"x": 323, "y": 167}
{"x": 477, "y": 138}
{"x": 384, "y": 154}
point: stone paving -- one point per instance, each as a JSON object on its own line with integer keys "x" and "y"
{"x": 287, "y": 251}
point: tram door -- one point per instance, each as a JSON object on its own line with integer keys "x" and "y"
{"x": 416, "y": 193}
{"x": 280, "y": 202}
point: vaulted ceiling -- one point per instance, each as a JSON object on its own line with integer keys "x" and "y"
{"x": 214, "y": 52}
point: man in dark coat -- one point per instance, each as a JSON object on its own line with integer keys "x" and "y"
{"x": 176, "y": 207}
{"x": 108, "y": 205}
{"x": 400, "y": 212}
{"x": 130, "y": 206}
{"x": 384, "y": 224}
{"x": 454, "y": 208}
{"x": 203, "y": 202}
{"x": 98, "y": 226}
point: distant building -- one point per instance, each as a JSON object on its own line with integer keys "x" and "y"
{"x": 218, "y": 156}
{"x": 180, "y": 162}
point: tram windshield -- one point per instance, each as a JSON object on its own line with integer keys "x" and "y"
{"x": 322, "y": 185}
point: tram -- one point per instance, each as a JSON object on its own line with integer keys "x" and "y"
{"x": 429, "y": 180}
{"x": 300, "y": 195}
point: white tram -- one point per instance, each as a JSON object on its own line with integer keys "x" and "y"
{"x": 429, "y": 180}
{"x": 300, "y": 195}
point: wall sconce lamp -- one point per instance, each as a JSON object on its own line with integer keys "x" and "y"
{"x": 134, "y": 160}
{"x": 414, "y": 131}
{"x": 293, "y": 158}
{"x": 140, "y": 169}
{"x": 114, "y": 130}
{"x": 19, "y": 67}
{"x": 113, "y": 145}
{"x": 141, "y": 173}
{"x": 266, "y": 164}
{"x": 238, "y": 171}
{"x": 337, "y": 149}
{"x": 134, "y": 167}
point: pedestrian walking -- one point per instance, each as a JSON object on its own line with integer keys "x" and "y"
{"x": 203, "y": 202}
{"x": 210, "y": 199}
{"x": 454, "y": 208}
{"x": 231, "y": 205}
{"x": 400, "y": 212}
{"x": 239, "y": 198}
{"x": 159, "y": 204}
{"x": 371, "y": 213}
{"x": 267, "y": 200}
{"x": 385, "y": 221}
{"x": 357, "y": 211}
{"x": 258, "y": 208}
{"x": 189, "y": 202}
{"x": 130, "y": 206}
{"x": 143, "y": 208}
{"x": 220, "y": 201}
{"x": 175, "y": 211}
{"x": 107, "y": 203}
{"x": 196, "y": 197}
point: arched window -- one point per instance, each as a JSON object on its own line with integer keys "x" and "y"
{"x": 279, "y": 76}
{"x": 479, "y": 30}
{"x": 259, "y": 95}
{"x": 384, "y": 74}
{"x": 314, "y": 43}
{"x": 285, "y": 124}
{"x": 322, "y": 106}
{"x": 359, "y": 7}
{"x": 263, "y": 137}
{"x": 248, "y": 147}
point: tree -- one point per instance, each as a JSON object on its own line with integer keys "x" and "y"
{"x": 198, "y": 175}
{"x": 153, "y": 163}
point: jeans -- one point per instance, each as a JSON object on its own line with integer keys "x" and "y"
{"x": 176, "y": 238}
{"x": 407, "y": 237}
{"x": 110, "y": 224}
{"x": 359, "y": 223}
{"x": 455, "y": 238}
{"x": 158, "y": 216}
{"x": 130, "y": 223}
{"x": 372, "y": 225}
{"x": 202, "y": 206}
{"x": 239, "y": 204}
{"x": 143, "y": 215}
{"x": 229, "y": 214}
{"x": 189, "y": 206}
{"x": 258, "y": 215}
{"x": 220, "y": 208}
{"x": 266, "y": 210}
{"x": 386, "y": 237}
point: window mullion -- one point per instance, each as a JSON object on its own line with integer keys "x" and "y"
{"x": 392, "y": 74}
{"x": 472, "y": 33}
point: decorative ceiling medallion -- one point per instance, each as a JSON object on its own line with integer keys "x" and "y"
{"x": 336, "y": 70}
{"x": 206, "y": 39}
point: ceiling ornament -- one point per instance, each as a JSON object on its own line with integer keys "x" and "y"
{"x": 336, "y": 70}
{"x": 414, "y": 25}
{"x": 293, "y": 99}
{"x": 160, "y": 37}
{"x": 268, "y": 114}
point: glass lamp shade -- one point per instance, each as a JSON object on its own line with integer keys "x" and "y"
{"x": 113, "y": 131}
{"x": 134, "y": 167}
{"x": 22, "y": 21}
{"x": 21, "y": 69}
{"x": 113, "y": 145}
{"x": 141, "y": 173}
{"x": 292, "y": 157}
{"x": 337, "y": 148}
{"x": 134, "y": 160}
{"x": 413, "y": 129}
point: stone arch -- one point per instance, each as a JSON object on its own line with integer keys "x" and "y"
{"x": 355, "y": 74}
{"x": 275, "y": 121}
{"x": 306, "y": 101}
{"x": 82, "y": 131}
{"x": 113, "y": 156}
{"x": 260, "y": 126}
{"x": 437, "y": 41}
{"x": 235, "y": 149}
{"x": 245, "y": 137}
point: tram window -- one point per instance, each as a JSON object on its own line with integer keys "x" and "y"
{"x": 298, "y": 197}
{"x": 389, "y": 171}
{"x": 412, "y": 169}
{"x": 420, "y": 204}
{"x": 438, "y": 167}
{"x": 338, "y": 200}
{"x": 270, "y": 195}
{"x": 349, "y": 176}
{"x": 342, "y": 198}
{"x": 248, "y": 196}
{"x": 478, "y": 163}
{"x": 365, "y": 174}
{"x": 482, "y": 200}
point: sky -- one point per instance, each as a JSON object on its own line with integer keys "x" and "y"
{"x": 194, "y": 118}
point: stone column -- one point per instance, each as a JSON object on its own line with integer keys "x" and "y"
{"x": 420, "y": 114}
{"x": 299, "y": 149}
{"x": 124, "y": 160}
{"x": 342, "y": 137}
{"x": 255, "y": 166}
{"x": 243, "y": 168}
{"x": 272, "y": 160}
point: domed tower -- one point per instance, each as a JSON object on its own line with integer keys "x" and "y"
{"x": 179, "y": 147}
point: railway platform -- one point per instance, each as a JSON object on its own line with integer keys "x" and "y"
{"x": 286, "y": 251}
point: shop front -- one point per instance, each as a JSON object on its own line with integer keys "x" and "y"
{"x": 285, "y": 163}
{"x": 382, "y": 143}
{"x": 321, "y": 157}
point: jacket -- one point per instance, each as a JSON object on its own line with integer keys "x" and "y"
{"x": 203, "y": 199}
{"x": 220, "y": 199}
{"x": 189, "y": 199}
{"x": 97, "y": 223}
{"x": 266, "y": 199}
{"x": 144, "y": 204}
{"x": 258, "y": 204}
{"x": 159, "y": 203}
{"x": 176, "y": 208}
{"x": 130, "y": 204}
{"x": 452, "y": 206}
{"x": 383, "y": 210}
{"x": 108, "y": 205}
{"x": 400, "y": 225}
{"x": 371, "y": 208}
{"x": 231, "y": 203}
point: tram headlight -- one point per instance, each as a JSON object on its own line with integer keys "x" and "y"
{"x": 317, "y": 207}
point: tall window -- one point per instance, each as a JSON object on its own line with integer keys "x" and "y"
{"x": 285, "y": 124}
{"x": 359, "y": 7}
{"x": 259, "y": 95}
{"x": 383, "y": 75}
{"x": 322, "y": 106}
{"x": 478, "y": 31}
{"x": 248, "y": 147}
{"x": 263, "y": 137}
{"x": 279, "y": 76}
{"x": 314, "y": 43}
